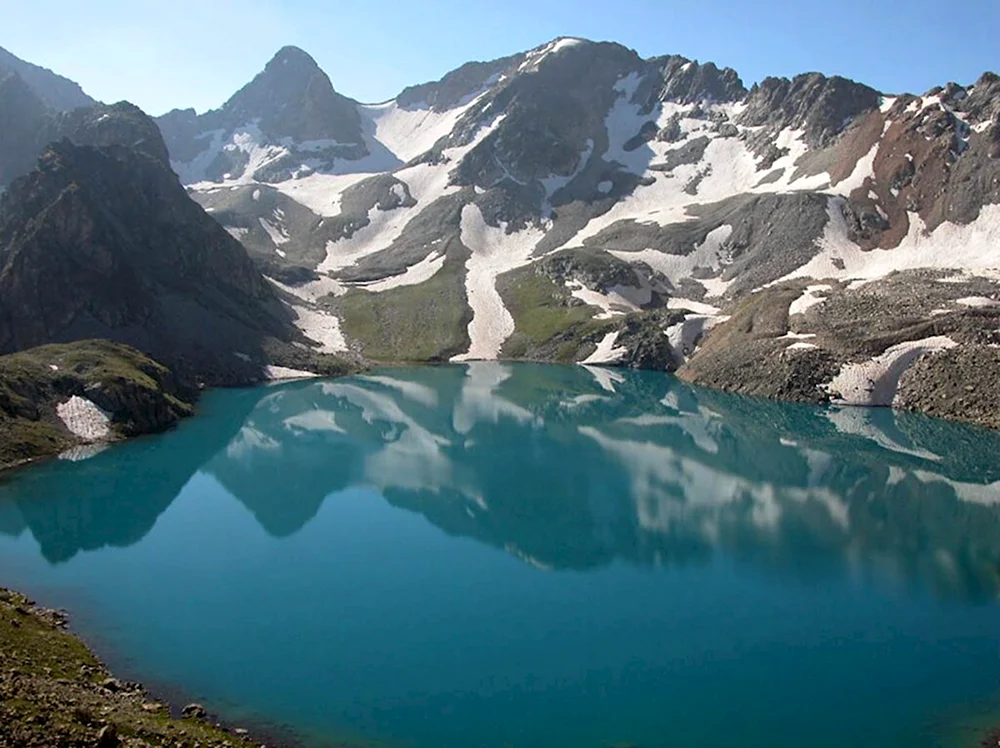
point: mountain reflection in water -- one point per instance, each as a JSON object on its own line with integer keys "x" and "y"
{"x": 565, "y": 468}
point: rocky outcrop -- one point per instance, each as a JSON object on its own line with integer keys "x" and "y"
{"x": 550, "y": 115}
{"x": 959, "y": 384}
{"x": 136, "y": 395}
{"x": 689, "y": 82}
{"x": 918, "y": 340}
{"x": 54, "y": 691}
{"x": 457, "y": 86}
{"x": 27, "y": 126}
{"x": 818, "y": 105}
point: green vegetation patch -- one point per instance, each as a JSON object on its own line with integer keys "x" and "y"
{"x": 425, "y": 322}
{"x": 549, "y": 324}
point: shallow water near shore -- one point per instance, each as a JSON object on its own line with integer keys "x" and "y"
{"x": 527, "y": 555}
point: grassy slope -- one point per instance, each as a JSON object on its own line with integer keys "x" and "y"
{"x": 546, "y": 325}
{"x": 425, "y": 322}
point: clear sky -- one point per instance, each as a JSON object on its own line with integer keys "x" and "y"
{"x": 180, "y": 53}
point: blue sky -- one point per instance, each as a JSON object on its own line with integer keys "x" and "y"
{"x": 181, "y": 53}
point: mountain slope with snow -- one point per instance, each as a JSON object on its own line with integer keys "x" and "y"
{"x": 715, "y": 198}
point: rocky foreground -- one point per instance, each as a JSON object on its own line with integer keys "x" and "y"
{"x": 54, "y": 692}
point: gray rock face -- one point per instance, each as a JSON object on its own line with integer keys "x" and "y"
{"x": 812, "y": 102}
{"x": 687, "y": 82}
{"x": 105, "y": 243}
{"x": 551, "y": 115}
{"x": 294, "y": 98}
{"x": 458, "y": 85}
{"x": 56, "y": 92}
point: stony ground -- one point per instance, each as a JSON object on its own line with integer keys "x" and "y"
{"x": 54, "y": 693}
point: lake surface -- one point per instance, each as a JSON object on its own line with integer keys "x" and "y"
{"x": 528, "y": 556}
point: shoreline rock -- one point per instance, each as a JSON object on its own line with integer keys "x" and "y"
{"x": 54, "y": 691}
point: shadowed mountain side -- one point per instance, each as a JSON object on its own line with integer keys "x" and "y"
{"x": 105, "y": 243}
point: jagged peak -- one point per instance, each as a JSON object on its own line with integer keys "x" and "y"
{"x": 687, "y": 81}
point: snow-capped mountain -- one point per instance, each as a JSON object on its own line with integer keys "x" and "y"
{"x": 811, "y": 239}
{"x": 578, "y": 202}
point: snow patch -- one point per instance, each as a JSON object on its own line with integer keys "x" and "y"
{"x": 281, "y": 372}
{"x": 426, "y": 183}
{"x": 615, "y": 303}
{"x": 685, "y": 336}
{"x": 698, "y": 307}
{"x": 416, "y": 274}
{"x": 278, "y": 235}
{"x": 810, "y": 297}
{"x": 606, "y": 352}
{"x": 876, "y": 381}
{"x": 977, "y": 301}
{"x": 972, "y": 247}
{"x": 864, "y": 169}
{"x": 493, "y": 252}
{"x": 322, "y": 327}
{"x": 413, "y": 130}
{"x": 84, "y": 419}
{"x": 312, "y": 291}
{"x": 711, "y": 253}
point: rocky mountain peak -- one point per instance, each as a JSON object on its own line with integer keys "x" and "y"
{"x": 293, "y": 57}
{"x": 688, "y": 81}
{"x": 116, "y": 124}
{"x": 293, "y": 98}
{"x": 983, "y": 100}
{"x": 812, "y": 102}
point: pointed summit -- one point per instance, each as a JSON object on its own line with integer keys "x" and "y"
{"x": 293, "y": 98}
{"x": 292, "y": 55}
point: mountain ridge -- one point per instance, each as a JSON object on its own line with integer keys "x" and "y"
{"x": 710, "y": 191}
{"x": 54, "y": 90}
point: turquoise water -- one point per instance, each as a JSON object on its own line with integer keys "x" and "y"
{"x": 530, "y": 556}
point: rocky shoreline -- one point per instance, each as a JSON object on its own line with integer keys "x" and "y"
{"x": 74, "y": 399}
{"x": 55, "y": 692}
